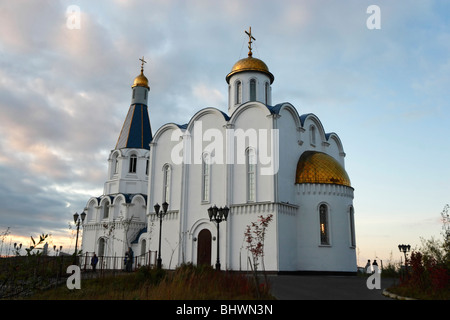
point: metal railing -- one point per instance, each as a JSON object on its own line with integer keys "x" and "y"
{"x": 117, "y": 262}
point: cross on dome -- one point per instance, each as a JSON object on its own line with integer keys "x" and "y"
{"x": 250, "y": 38}
{"x": 142, "y": 63}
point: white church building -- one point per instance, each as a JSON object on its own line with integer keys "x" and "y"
{"x": 256, "y": 158}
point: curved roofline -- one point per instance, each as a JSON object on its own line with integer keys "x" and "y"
{"x": 288, "y": 106}
{"x": 315, "y": 119}
{"x": 204, "y": 111}
{"x": 247, "y": 105}
{"x": 164, "y": 128}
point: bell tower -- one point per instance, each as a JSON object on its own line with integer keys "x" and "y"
{"x": 128, "y": 162}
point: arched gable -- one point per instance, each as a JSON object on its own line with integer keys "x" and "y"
{"x": 334, "y": 138}
{"x": 91, "y": 209}
{"x": 204, "y": 112}
{"x": 246, "y": 106}
{"x": 168, "y": 127}
{"x": 286, "y": 106}
{"x": 311, "y": 118}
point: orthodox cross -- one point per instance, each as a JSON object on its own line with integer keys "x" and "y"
{"x": 250, "y": 38}
{"x": 142, "y": 64}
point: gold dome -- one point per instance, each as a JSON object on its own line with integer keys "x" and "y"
{"x": 318, "y": 167}
{"x": 250, "y": 64}
{"x": 141, "y": 81}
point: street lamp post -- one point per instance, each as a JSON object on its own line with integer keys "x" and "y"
{"x": 404, "y": 248}
{"x": 160, "y": 215}
{"x": 78, "y": 219}
{"x": 218, "y": 215}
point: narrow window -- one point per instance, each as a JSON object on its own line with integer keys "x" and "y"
{"x": 238, "y": 92}
{"x": 101, "y": 247}
{"x": 146, "y": 167}
{"x": 267, "y": 92}
{"x": 312, "y": 132}
{"x": 106, "y": 210}
{"x": 251, "y": 175}
{"x": 205, "y": 177}
{"x": 253, "y": 90}
{"x": 133, "y": 163}
{"x": 166, "y": 183}
{"x": 116, "y": 165}
{"x": 352, "y": 227}
{"x": 324, "y": 236}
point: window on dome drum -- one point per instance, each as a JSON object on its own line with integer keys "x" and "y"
{"x": 146, "y": 167}
{"x": 133, "y": 164}
{"x": 324, "y": 236}
{"x": 266, "y": 92}
{"x": 253, "y": 90}
{"x": 206, "y": 170}
{"x": 166, "y": 183}
{"x": 352, "y": 227}
{"x": 238, "y": 92}
{"x": 106, "y": 210}
{"x": 251, "y": 175}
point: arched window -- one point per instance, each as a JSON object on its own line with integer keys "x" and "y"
{"x": 238, "y": 92}
{"x": 101, "y": 247}
{"x": 133, "y": 164}
{"x": 266, "y": 92}
{"x": 106, "y": 210}
{"x": 206, "y": 171}
{"x": 116, "y": 165}
{"x": 166, "y": 183}
{"x": 352, "y": 227}
{"x": 252, "y": 90}
{"x": 251, "y": 175}
{"x": 324, "y": 227}
{"x": 144, "y": 257}
{"x": 312, "y": 133}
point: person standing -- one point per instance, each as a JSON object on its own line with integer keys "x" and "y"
{"x": 94, "y": 261}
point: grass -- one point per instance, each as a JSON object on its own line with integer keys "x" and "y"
{"x": 188, "y": 282}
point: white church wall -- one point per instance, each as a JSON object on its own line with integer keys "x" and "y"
{"x": 207, "y": 137}
{"x": 243, "y": 215}
{"x": 339, "y": 255}
{"x": 290, "y": 152}
{"x": 247, "y": 121}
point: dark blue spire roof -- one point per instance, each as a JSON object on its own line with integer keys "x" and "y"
{"x": 136, "y": 131}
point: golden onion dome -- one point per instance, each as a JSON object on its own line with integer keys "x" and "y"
{"x": 141, "y": 81}
{"x": 250, "y": 64}
{"x": 318, "y": 167}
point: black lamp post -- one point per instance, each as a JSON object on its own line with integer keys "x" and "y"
{"x": 218, "y": 215}
{"x": 78, "y": 221}
{"x": 404, "y": 248}
{"x": 160, "y": 215}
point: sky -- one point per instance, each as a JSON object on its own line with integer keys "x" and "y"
{"x": 65, "y": 89}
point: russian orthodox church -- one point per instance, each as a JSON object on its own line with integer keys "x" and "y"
{"x": 257, "y": 159}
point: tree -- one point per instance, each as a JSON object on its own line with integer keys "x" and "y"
{"x": 255, "y": 235}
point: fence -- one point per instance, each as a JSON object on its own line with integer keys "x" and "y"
{"x": 117, "y": 262}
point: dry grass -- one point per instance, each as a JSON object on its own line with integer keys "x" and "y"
{"x": 186, "y": 283}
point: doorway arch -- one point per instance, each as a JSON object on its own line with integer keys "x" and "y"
{"x": 204, "y": 247}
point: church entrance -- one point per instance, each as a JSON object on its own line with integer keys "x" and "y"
{"x": 204, "y": 247}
